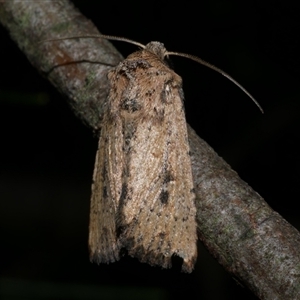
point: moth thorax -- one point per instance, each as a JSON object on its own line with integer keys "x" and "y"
{"x": 156, "y": 48}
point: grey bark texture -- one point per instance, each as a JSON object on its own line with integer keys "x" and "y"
{"x": 253, "y": 242}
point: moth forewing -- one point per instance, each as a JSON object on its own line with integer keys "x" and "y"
{"x": 103, "y": 244}
{"x": 146, "y": 170}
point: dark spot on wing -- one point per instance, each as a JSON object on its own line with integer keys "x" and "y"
{"x": 103, "y": 172}
{"x": 150, "y": 92}
{"x": 120, "y": 230}
{"x": 129, "y": 135}
{"x": 162, "y": 235}
{"x": 168, "y": 177}
{"x": 105, "y": 192}
{"x": 164, "y": 197}
{"x": 124, "y": 192}
{"x": 130, "y": 105}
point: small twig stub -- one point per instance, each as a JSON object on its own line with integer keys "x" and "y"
{"x": 142, "y": 195}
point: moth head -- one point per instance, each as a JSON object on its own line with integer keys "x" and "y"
{"x": 157, "y": 48}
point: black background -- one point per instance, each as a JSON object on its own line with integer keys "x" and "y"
{"x": 47, "y": 155}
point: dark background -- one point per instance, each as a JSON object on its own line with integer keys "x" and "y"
{"x": 47, "y": 155}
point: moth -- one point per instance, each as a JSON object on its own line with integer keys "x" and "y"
{"x": 143, "y": 197}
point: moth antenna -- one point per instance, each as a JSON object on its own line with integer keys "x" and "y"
{"x": 103, "y": 36}
{"x": 205, "y": 63}
{"x": 192, "y": 57}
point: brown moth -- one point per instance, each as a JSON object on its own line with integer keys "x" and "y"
{"x": 142, "y": 194}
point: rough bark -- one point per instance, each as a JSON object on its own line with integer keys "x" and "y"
{"x": 253, "y": 242}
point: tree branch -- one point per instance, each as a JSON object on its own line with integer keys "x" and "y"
{"x": 254, "y": 243}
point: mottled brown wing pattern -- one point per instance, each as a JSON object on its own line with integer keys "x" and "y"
{"x": 149, "y": 169}
{"x": 106, "y": 189}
